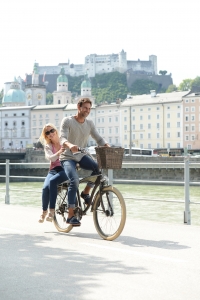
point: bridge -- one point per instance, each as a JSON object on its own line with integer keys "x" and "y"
{"x": 150, "y": 260}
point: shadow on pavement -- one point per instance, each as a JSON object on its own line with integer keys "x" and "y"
{"x": 30, "y": 269}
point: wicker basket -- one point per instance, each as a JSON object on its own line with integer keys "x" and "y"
{"x": 109, "y": 158}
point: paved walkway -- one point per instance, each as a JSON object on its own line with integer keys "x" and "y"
{"x": 150, "y": 260}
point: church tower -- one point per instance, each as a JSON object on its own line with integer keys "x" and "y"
{"x": 35, "y": 75}
{"x": 86, "y": 88}
{"x": 62, "y": 95}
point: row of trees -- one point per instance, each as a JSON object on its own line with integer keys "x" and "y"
{"x": 185, "y": 85}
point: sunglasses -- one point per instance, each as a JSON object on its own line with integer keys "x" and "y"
{"x": 50, "y": 131}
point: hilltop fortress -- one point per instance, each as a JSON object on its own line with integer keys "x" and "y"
{"x": 99, "y": 64}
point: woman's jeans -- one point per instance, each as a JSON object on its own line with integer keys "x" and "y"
{"x": 86, "y": 163}
{"x": 49, "y": 191}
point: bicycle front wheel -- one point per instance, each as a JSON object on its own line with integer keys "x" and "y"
{"x": 109, "y": 213}
{"x": 61, "y": 212}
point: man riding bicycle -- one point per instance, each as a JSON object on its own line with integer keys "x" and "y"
{"x": 74, "y": 133}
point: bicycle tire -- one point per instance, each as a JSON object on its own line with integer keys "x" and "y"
{"x": 61, "y": 212}
{"x": 109, "y": 219}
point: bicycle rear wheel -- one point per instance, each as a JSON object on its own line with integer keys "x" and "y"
{"x": 61, "y": 212}
{"x": 109, "y": 213}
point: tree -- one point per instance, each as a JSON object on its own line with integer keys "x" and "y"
{"x": 164, "y": 72}
{"x": 185, "y": 85}
{"x": 196, "y": 82}
{"x": 49, "y": 98}
{"x": 171, "y": 88}
{"x": 143, "y": 86}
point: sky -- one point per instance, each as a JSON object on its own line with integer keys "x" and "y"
{"x": 51, "y": 32}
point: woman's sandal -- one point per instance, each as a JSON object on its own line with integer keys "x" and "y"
{"x": 73, "y": 221}
{"x": 51, "y": 215}
{"x": 43, "y": 216}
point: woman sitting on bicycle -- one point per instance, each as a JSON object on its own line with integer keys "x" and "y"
{"x": 56, "y": 175}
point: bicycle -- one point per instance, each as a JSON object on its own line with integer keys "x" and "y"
{"x": 106, "y": 202}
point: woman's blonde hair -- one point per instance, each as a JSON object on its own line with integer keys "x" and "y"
{"x": 43, "y": 137}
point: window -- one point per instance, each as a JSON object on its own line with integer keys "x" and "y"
{"x": 149, "y": 146}
{"x": 14, "y": 115}
{"x": 133, "y": 118}
{"x": 125, "y": 136}
{"x": 116, "y": 119}
{"x": 168, "y": 135}
{"x": 158, "y": 125}
{"x": 168, "y": 125}
{"x": 158, "y": 135}
{"x": 149, "y": 126}
{"x": 33, "y": 116}
{"x": 168, "y": 116}
{"x": 102, "y": 120}
{"x": 178, "y": 134}
{"x": 109, "y": 119}
{"x": 168, "y": 107}
{"x": 141, "y": 136}
{"x": 34, "y": 123}
{"x": 186, "y": 128}
{"x": 192, "y": 117}
{"x": 133, "y": 126}
{"x": 149, "y": 117}
{"x": 133, "y": 136}
{"x": 116, "y": 129}
{"x": 192, "y": 128}
{"x": 178, "y": 115}
{"x": 149, "y": 135}
{"x": 110, "y": 140}
{"x": 141, "y": 118}
{"x": 133, "y": 109}
{"x": 193, "y": 101}
{"x": 98, "y": 120}
{"x": 178, "y": 145}
{"x": 110, "y": 130}
{"x": 141, "y": 109}
{"x": 189, "y": 146}
{"x": 192, "y": 109}
{"x": 186, "y": 101}
{"x": 187, "y": 138}
{"x": 23, "y": 114}
{"x": 158, "y": 145}
{"x": 192, "y": 137}
{"x": 178, "y": 124}
{"x": 158, "y": 108}
{"x": 125, "y": 119}
{"x": 125, "y": 127}
{"x": 168, "y": 145}
{"x": 141, "y": 126}
{"x": 186, "y": 109}
{"x": 149, "y": 108}
{"x": 158, "y": 116}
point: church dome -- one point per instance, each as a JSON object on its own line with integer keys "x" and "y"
{"x": 86, "y": 84}
{"x": 15, "y": 94}
{"x": 62, "y": 77}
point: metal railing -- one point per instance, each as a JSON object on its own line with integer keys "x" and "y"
{"x": 185, "y": 164}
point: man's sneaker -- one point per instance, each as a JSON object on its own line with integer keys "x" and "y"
{"x": 86, "y": 197}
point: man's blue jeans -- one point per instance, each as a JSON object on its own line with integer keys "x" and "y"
{"x": 86, "y": 163}
{"x": 49, "y": 191}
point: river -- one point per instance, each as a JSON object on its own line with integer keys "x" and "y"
{"x": 141, "y": 200}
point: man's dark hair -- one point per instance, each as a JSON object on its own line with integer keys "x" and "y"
{"x": 84, "y": 100}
